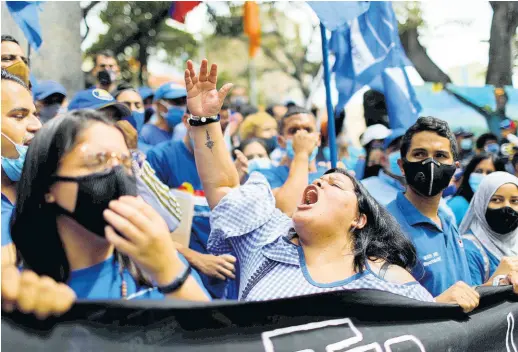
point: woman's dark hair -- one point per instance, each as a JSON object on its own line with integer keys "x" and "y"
{"x": 482, "y": 140}
{"x": 431, "y": 124}
{"x": 121, "y": 87}
{"x": 247, "y": 142}
{"x": 464, "y": 188}
{"x": 33, "y": 224}
{"x": 381, "y": 237}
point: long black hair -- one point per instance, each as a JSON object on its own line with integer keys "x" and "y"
{"x": 381, "y": 237}
{"x": 464, "y": 188}
{"x": 33, "y": 224}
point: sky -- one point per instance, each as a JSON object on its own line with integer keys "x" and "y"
{"x": 455, "y": 34}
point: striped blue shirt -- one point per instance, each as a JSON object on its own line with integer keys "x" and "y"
{"x": 247, "y": 221}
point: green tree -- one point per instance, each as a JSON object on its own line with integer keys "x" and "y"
{"x": 137, "y": 29}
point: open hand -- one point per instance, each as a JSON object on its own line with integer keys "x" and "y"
{"x": 146, "y": 240}
{"x": 202, "y": 97}
{"x": 220, "y": 267}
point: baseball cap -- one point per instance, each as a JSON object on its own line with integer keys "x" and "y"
{"x": 169, "y": 91}
{"x": 374, "y": 132}
{"x": 97, "y": 99}
{"x": 507, "y": 123}
{"x": 145, "y": 92}
{"x": 44, "y": 89}
{"x": 396, "y": 133}
{"x": 461, "y": 132}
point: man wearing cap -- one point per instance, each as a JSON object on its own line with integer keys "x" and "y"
{"x": 147, "y": 95}
{"x": 101, "y": 100}
{"x": 372, "y": 141}
{"x": 170, "y": 102}
{"x": 50, "y": 99}
{"x": 465, "y": 142}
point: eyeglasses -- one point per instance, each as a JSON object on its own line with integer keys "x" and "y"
{"x": 107, "y": 160}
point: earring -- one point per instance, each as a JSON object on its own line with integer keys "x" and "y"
{"x": 49, "y": 198}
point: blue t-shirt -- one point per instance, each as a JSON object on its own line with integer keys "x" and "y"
{"x": 482, "y": 264}
{"x": 278, "y": 175}
{"x": 103, "y": 281}
{"x": 7, "y": 212}
{"x": 459, "y": 205}
{"x": 442, "y": 260}
{"x": 175, "y": 165}
{"x": 152, "y": 135}
{"x": 383, "y": 188}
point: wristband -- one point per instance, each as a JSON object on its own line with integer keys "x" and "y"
{"x": 196, "y": 121}
{"x": 177, "y": 283}
{"x": 497, "y": 279}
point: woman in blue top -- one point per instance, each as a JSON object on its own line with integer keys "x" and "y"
{"x": 78, "y": 221}
{"x": 480, "y": 166}
{"x": 490, "y": 228}
{"x": 338, "y": 238}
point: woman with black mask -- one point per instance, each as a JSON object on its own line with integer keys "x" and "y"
{"x": 490, "y": 229}
{"x": 77, "y": 219}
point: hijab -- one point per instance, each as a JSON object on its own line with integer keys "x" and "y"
{"x": 475, "y": 219}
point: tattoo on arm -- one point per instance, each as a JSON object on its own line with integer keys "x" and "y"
{"x": 210, "y": 143}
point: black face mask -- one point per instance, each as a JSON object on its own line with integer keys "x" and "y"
{"x": 95, "y": 191}
{"x": 372, "y": 170}
{"x": 502, "y": 220}
{"x": 428, "y": 177}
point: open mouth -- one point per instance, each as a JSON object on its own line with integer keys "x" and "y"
{"x": 310, "y": 195}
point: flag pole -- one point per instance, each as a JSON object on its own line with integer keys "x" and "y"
{"x": 331, "y": 135}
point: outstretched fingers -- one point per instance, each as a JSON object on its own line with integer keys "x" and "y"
{"x": 224, "y": 91}
{"x": 203, "y": 70}
{"x": 213, "y": 75}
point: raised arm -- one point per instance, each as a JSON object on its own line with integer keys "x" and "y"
{"x": 215, "y": 167}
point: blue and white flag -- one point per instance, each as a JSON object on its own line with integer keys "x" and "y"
{"x": 26, "y": 15}
{"x": 334, "y": 14}
{"x": 368, "y": 52}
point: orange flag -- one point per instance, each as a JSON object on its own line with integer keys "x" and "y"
{"x": 252, "y": 27}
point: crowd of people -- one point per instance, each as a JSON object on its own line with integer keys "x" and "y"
{"x": 90, "y": 208}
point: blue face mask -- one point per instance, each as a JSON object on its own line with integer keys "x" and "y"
{"x": 474, "y": 181}
{"x": 259, "y": 163}
{"x": 13, "y": 167}
{"x": 291, "y": 153}
{"x": 136, "y": 120}
{"x": 174, "y": 115}
{"x": 466, "y": 144}
{"x": 393, "y": 165}
{"x": 492, "y": 148}
{"x": 271, "y": 143}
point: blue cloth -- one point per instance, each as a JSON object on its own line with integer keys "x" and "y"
{"x": 368, "y": 51}
{"x": 482, "y": 264}
{"x": 26, "y": 16}
{"x": 459, "y": 205}
{"x": 247, "y": 221}
{"x": 383, "y": 188}
{"x": 103, "y": 281}
{"x": 442, "y": 260}
{"x": 335, "y": 14}
{"x": 7, "y": 212}
{"x": 277, "y": 176}
{"x": 174, "y": 165}
{"x": 152, "y": 135}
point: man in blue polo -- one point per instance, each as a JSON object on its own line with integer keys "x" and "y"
{"x": 428, "y": 161}
{"x": 101, "y": 100}
{"x": 170, "y": 101}
{"x": 174, "y": 164}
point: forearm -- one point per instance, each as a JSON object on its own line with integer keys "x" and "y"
{"x": 189, "y": 254}
{"x": 215, "y": 167}
{"x": 289, "y": 195}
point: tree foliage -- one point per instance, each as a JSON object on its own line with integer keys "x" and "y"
{"x": 137, "y": 29}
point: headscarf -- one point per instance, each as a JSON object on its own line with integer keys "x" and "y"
{"x": 475, "y": 219}
{"x": 252, "y": 122}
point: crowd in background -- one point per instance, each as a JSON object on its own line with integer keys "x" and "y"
{"x": 94, "y": 206}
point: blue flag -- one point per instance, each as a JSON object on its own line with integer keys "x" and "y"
{"x": 26, "y": 15}
{"x": 368, "y": 52}
{"x": 334, "y": 14}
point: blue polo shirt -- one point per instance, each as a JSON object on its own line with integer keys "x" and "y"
{"x": 175, "y": 165}
{"x": 459, "y": 205}
{"x": 440, "y": 252}
{"x": 383, "y": 188}
{"x": 482, "y": 264}
{"x": 103, "y": 281}
{"x": 152, "y": 135}
{"x": 7, "y": 212}
{"x": 278, "y": 175}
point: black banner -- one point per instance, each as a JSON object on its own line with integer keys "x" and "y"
{"x": 363, "y": 320}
